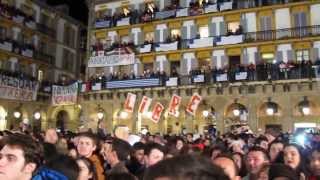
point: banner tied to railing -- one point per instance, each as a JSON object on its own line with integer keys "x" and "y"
{"x": 64, "y": 95}
{"x": 116, "y": 57}
{"x": 18, "y": 89}
{"x": 158, "y": 108}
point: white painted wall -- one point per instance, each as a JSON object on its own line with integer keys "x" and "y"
{"x": 134, "y": 32}
{"x": 60, "y": 29}
{"x": 189, "y": 57}
{"x": 315, "y": 14}
{"x": 251, "y": 21}
{"x": 218, "y": 54}
{"x": 217, "y": 21}
{"x": 251, "y": 54}
{"x": 37, "y": 11}
{"x": 13, "y": 61}
{"x": 112, "y": 35}
{"x": 316, "y": 44}
{"x": 161, "y": 60}
{"x": 188, "y": 24}
{"x": 282, "y": 18}
{"x": 284, "y": 48}
{"x": 161, "y": 27}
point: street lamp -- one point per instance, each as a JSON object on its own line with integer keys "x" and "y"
{"x": 305, "y": 106}
{"x": 205, "y": 113}
{"x": 272, "y": 107}
{"x": 123, "y": 115}
{"x": 236, "y": 112}
{"x": 17, "y": 114}
{"x": 37, "y": 115}
{"x": 100, "y": 113}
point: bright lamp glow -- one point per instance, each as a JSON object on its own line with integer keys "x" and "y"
{"x": 270, "y": 111}
{"x": 100, "y": 115}
{"x": 123, "y": 115}
{"x": 37, "y": 115}
{"x": 205, "y": 113}
{"x": 17, "y": 114}
{"x": 149, "y": 114}
{"x": 236, "y": 112}
{"x": 306, "y": 110}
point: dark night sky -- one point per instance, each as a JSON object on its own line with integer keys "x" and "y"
{"x": 77, "y": 8}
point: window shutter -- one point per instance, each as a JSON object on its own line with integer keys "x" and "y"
{"x": 184, "y": 32}
{"x": 222, "y": 28}
{"x": 212, "y": 30}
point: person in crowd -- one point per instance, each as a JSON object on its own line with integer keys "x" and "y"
{"x": 62, "y": 167}
{"x": 87, "y": 145}
{"x": 315, "y": 164}
{"x": 137, "y": 158}
{"x": 87, "y": 169}
{"x": 293, "y": 157}
{"x": 185, "y": 167}
{"x": 256, "y": 158}
{"x": 51, "y": 136}
{"x": 153, "y": 153}
{"x": 116, "y": 154}
{"x": 121, "y": 176}
{"x": 262, "y": 142}
{"x": 274, "y": 149}
{"x": 20, "y": 157}
{"x": 228, "y": 165}
{"x": 281, "y": 172}
{"x": 240, "y": 161}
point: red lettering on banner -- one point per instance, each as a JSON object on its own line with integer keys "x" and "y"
{"x": 174, "y": 105}
{"x": 193, "y": 104}
{"x": 144, "y": 105}
{"x": 156, "y": 113}
{"x": 130, "y": 101}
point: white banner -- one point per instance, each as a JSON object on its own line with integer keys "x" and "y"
{"x": 226, "y": 6}
{"x": 193, "y": 104}
{"x": 174, "y": 105}
{"x": 124, "y": 21}
{"x": 234, "y": 39}
{"x": 202, "y": 42}
{"x": 65, "y": 95}
{"x": 173, "y": 81}
{"x": 167, "y": 46}
{"x": 222, "y": 77}
{"x": 144, "y": 105}
{"x": 96, "y": 87}
{"x": 198, "y": 78}
{"x": 211, "y": 8}
{"x": 241, "y": 76}
{"x": 111, "y": 60}
{"x": 145, "y": 49}
{"x": 130, "y": 102}
{"x": 18, "y": 89}
{"x": 182, "y": 12}
{"x": 156, "y": 112}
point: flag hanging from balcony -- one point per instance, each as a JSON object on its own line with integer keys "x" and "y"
{"x": 145, "y": 104}
{"x": 64, "y": 95}
{"x": 193, "y": 104}
{"x": 115, "y": 57}
{"x": 174, "y": 105}
{"x": 156, "y": 112}
{"x": 130, "y": 102}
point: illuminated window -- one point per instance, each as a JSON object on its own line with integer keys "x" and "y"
{"x": 175, "y": 32}
{"x": 149, "y": 36}
{"x": 126, "y": 11}
{"x": 40, "y": 75}
{"x": 302, "y": 55}
{"x": 204, "y": 31}
{"x": 268, "y": 57}
{"x": 233, "y": 26}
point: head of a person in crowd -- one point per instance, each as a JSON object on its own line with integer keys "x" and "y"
{"x": 292, "y": 156}
{"x": 185, "y": 167}
{"x": 237, "y": 146}
{"x": 228, "y": 165}
{"x": 150, "y": 138}
{"x": 87, "y": 144}
{"x": 255, "y": 159}
{"x": 282, "y": 172}
{"x": 62, "y": 146}
{"x": 190, "y": 138}
{"x": 179, "y": 144}
{"x": 215, "y": 151}
{"x": 121, "y": 176}
{"x": 263, "y": 173}
{"x": 116, "y": 151}
{"x": 239, "y": 159}
{"x": 62, "y": 167}
{"x": 87, "y": 169}
{"x": 262, "y": 142}
{"x": 19, "y": 157}
{"x": 138, "y": 152}
{"x": 315, "y": 162}
{"x": 153, "y": 153}
{"x": 274, "y": 149}
{"x": 51, "y": 136}
{"x": 207, "y": 142}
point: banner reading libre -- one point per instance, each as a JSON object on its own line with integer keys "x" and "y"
{"x": 130, "y": 102}
{"x": 64, "y": 95}
{"x": 18, "y": 89}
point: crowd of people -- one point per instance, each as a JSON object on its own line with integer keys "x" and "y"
{"x": 85, "y": 155}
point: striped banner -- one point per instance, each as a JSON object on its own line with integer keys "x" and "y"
{"x": 133, "y": 83}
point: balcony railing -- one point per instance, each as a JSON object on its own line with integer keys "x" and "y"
{"x": 139, "y": 17}
{"x": 296, "y": 32}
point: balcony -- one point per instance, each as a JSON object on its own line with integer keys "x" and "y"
{"x": 171, "y": 46}
{"x": 201, "y": 42}
{"x": 46, "y": 30}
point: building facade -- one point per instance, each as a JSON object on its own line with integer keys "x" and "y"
{"x": 38, "y": 44}
{"x": 246, "y": 55}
